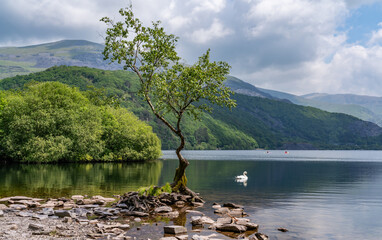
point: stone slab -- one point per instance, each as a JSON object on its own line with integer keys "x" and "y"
{"x": 174, "y": 229}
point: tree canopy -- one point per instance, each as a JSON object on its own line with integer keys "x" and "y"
{"x": 51, "y": 122}
{"x": 170, "y": 88}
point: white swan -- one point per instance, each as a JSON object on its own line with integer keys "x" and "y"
{"x": 242, "y": 178}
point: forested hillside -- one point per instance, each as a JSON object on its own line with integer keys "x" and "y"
{"x": 206, "y": 134}
{"x": 274, "y": 124}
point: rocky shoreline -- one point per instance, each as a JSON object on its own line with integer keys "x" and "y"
{"x": 131, "y": 216}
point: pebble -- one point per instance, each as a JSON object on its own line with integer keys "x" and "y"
{"x": 14, "y": 227}
{"x": 35, "y": 226}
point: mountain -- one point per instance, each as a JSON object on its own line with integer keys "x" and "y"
{"x": 242, "y": 87}
{"x": 369, "y": 102}
{"x": 257, "y": 121}
{"x": 363, "y": 107}
{"x": 24, "y": 60}
{"x": 366, "y": 108}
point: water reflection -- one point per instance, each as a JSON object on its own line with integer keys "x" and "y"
{"x": 51, "y": 180}
{"x": 314, "y": 200}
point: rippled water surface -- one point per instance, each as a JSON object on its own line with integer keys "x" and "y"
{"x": 314, "y": 194}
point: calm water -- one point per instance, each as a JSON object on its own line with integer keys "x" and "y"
{"x": 314, "y": 194}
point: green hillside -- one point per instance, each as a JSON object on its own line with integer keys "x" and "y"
{"x": 282, "y": 125}
{"x": 24, "y": 60}
{"x": 274, "y": 124}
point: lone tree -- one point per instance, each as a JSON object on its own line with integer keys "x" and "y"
{"x": 170, "y": 88}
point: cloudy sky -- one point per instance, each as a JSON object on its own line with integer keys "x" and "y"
{"x": 295, "y": 46}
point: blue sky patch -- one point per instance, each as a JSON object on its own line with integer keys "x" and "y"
{"x": 362, "y": 22}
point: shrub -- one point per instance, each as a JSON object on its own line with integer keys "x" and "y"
{"x": 50, "y": 122}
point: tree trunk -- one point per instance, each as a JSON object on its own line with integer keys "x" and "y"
{"x": 180, "y": 180}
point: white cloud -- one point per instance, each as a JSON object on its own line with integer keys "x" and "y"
{"x": 376, "y": 36}
{"x": 208, "y": 5}
{"x": 215, "y": 31}
{"x": 58, "y": 13}
{"x": 288, "y": 45}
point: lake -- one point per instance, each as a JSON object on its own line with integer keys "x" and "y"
{"x": 314, "y": 194}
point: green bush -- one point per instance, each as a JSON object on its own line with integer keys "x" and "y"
{"x": 50, "y": 122}
{"x": 154, "y": 190}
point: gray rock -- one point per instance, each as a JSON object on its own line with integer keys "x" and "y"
{"x": 222, "y": 210}
{"x": 39, "y": 216}
{"x": 37, "y": 199}
{"x": 168, "y": 238}
{"x": 163, "y": 209}
{"x": 124, "y": 226}
{"x": 18, "y": 198}
{"x": 122, "y": 205}
{"x": 3, "y": 207}
{"x": 36, "y": 227}
{"x": 182, "y": 237}
{"x": 236, "y": 212}
{"x": 225, "y": 220}
{"x": 137, "y": 219}
{"x": 24, "y": 214}
{"x": 88, "y": 206}
{"x": 232, "y": 205}
{"x": 61, "y": 227}
{"x": 49, "y": 204}
{"x": 197, "y": 220}
{"x": 5, "y": 199}
{"x": 29, "y": 204}
{"x": 64, "y": 213}
{"x": 77, "y": 197}
{"x": 231, "y": 228}
{"x": 249, "y": 225}
{"x": 259, "y": 236}
{"x": 198, "y": 237}
{"x": 81, "y": 212}
{"x": 47, "y": 211}
{"x": 174, "y": 229}
{"x": 197, "y": 204}
{"x": 69, "y": 205}
{"x": 103, "y": 213}
{"x": 1, "y": 213}
{"x": 18, "y": 206}
{"x": 107, "y": 200}
{"x": 134, "y": 213}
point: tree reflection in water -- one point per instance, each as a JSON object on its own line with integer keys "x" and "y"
{"x": 58, "y": 180}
